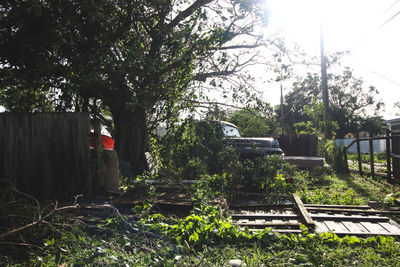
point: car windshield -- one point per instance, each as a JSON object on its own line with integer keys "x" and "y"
{"x": 230, "y": 131}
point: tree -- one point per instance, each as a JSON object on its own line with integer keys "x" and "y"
{"x": 137, "y": 57}
{"x": 349, "y": 101}
{"x": 315, "y": 125}
{"x": 252, "y": 122}
{"x": 373, "y": 125}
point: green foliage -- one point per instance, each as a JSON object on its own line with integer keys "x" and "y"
{"x": 198, "y": 150}
{"x": 373, "y": 125}
{"x": 270, "y": 174}
{"x": 338, "y": 162}
{"x": 208, "y": 188}
{"x": 328, "y": 196}
{"x": 130, "y": 56}
{"x": 192, "y": 150}
{"x": 254, "y": 123}
{"x": 208, "y": 237}
{"x": 348, "y": 101}
{"x": 333, "y": 154}
{"x": 316, "y": 125}
{"x": 211, "y": 228}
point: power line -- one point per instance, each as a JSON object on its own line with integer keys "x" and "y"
{"x": 390, "y": 7}
{"x": 376, "y": 73}
{"x": 389, "y": 20}
{"x": 366, "y": 37}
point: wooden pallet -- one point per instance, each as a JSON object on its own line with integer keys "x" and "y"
{"x": 339, "y": 219}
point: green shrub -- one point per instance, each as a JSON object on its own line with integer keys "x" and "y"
{"x": 192, "y": 150}
{"x": 270, "y": 174}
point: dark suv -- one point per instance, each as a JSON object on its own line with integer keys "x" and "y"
{"x": 247, "y": 147}
{"x": 250, "y": 147}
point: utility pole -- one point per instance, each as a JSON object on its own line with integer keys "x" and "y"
{"x": 324, "y": 77}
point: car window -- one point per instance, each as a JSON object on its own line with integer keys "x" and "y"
{"x": 230, "y": 131}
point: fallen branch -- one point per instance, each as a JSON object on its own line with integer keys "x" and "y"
{"x": 20, "y": 244}
{"x": 135, "y": 230}
{"x": 41, "y": 217}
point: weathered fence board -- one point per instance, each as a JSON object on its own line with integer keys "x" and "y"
{"x": 396, "y": 159}
{"x": 392, "y": 143}
{"x": 303, "y": 145}
{"x": 45, "y": 154}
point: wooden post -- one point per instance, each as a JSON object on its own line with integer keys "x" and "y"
{"x": 371, "y": 156}
{"x": 346, "y": 164}
{"x": 388, "y": 151}
{"x": 359, "y": 153}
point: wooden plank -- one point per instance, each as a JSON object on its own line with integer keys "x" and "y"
{"x": 247, "y": 193}
{"x": 358, "y": 153}
{"x": 303, "y": 211}
{"x": 388, "y": 159}
{"x": 283, "y": 231}
{"x": 337, "y": 206}
{"x": 267, "y": 224}
{"x": 360, "y": 211}
{"x": 335, "y": 226}
{"x": 349, "y": 218}
{"x": 397, "y": 156}
{"x": 390, "y": 227}
{"x": 244, "y": 205}
{"x": 374, "y": 228}
{"x": 371, "y": 157}
{"x": 288, "y": 231}
{"x": 362, "y": 234}
{"x": 320, "y": 227}
{"x": 355, "y": 227}
{"x": 263, "y": 216}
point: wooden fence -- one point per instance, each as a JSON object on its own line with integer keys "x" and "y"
{"x": 45, "y": 154}
{"x": 303, "y": 145}
{"x": 392, "y": 154}
{"x": 395, "y": 154}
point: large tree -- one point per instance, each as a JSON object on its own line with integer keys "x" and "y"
{"x": 349, "y": 101}
{"x": 136, "y": 57}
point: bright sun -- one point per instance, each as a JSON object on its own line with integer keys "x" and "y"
{"x": 344, "y": 22}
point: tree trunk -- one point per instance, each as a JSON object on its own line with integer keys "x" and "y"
{"x": 131, "y": 139}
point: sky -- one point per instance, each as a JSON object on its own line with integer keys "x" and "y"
{"x": 369, "y": 29}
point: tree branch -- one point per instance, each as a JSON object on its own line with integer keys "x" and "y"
{"x": 188, "y": 12}
{"x": 40, "y": 216}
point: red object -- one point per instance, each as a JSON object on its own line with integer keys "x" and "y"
{"x": 108, "y": 142}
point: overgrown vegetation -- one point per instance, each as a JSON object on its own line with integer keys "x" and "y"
{"x": 144, "y": 63}
{"x": 196, "y": 150}
{"x": 206, "y": 236}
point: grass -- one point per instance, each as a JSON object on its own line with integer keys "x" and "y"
{"x": 299, "y": 255}
{"x": 365, "y": 158}
{"x": 344, "y": 189}
{"x": 112, "y": 243}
